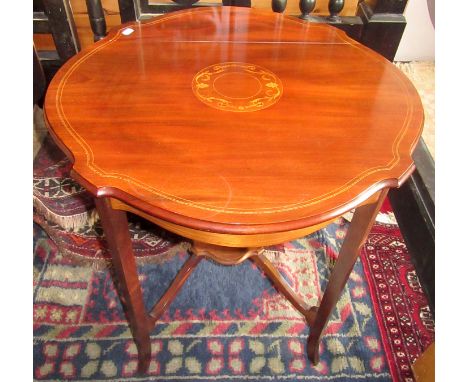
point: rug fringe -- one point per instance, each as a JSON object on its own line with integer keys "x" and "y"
{"x": 102, "y": 263}
{"x": 69, "y": 223}
{"x": 330, "y": 257}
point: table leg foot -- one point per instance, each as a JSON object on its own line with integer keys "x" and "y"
{"x": 313, "y": 345}
{"x": 115, "y": 225}
{"x": 144, "y": 356}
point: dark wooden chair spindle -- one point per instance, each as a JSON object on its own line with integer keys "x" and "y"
{"x": 306, "y": 7}
{"x": 96, "y": 19}
{"x": 278, "y": 5}
{"x": 55, "y": 17}
{"x": 335, "y": 7}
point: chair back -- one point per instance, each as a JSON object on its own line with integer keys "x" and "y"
{"x": 55, "y": 17}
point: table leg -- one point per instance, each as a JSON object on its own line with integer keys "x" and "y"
{"x": 283, "y": 287}
{"x": 170, "y": 294}
{"x": 361, "y": 224}
{"x": 115, "y": 225}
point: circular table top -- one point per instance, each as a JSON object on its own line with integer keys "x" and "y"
{"x": 234, "y": 120}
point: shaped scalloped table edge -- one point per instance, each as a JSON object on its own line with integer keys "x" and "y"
{"x": 219, "y": 227}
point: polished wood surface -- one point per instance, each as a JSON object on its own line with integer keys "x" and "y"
{"x": 343, "y": 127}
{"x": 115, "y": 225}
{"x": 230, "y": 240}
{"x": 224, "y": 239}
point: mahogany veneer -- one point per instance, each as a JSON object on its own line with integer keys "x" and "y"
{"x": 236, "y": 128}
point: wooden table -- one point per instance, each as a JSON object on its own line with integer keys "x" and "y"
{"x": 238, "y": 129}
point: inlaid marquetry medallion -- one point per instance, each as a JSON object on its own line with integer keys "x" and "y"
{"x": 237, "y": 87}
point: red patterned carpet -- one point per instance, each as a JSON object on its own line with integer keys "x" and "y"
{"x": 400, "y": 306}
{"x": 381, "y": 325}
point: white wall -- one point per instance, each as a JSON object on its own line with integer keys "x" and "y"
{"x": 417, "y": 43}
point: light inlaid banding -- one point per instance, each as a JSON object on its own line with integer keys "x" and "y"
{"x": 91, "y": 167}
{"x": 237, "y": 87}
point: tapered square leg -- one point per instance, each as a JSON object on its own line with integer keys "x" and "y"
{"x": 115, "y": 225}
{"x": 361, "y": 224}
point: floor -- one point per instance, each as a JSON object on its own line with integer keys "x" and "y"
{"x": 421, "y": 74}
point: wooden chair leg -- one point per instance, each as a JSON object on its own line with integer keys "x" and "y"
{"x": 115, "y": 225}
{"x": 361, "y": 224}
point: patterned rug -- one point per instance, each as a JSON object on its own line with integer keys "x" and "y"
{"x": 215, "y": 330}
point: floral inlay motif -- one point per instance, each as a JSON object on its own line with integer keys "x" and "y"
{"x": 237, "y": 87}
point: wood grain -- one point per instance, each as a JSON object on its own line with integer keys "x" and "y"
{"x": 115, "y": 227}
{"x": 165, "y": 301}
{"x": 223, "y": 255}
{"x": 361, "y": 224}
{"x": 344, "y": 128}
{"x": 224, "y": 239}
